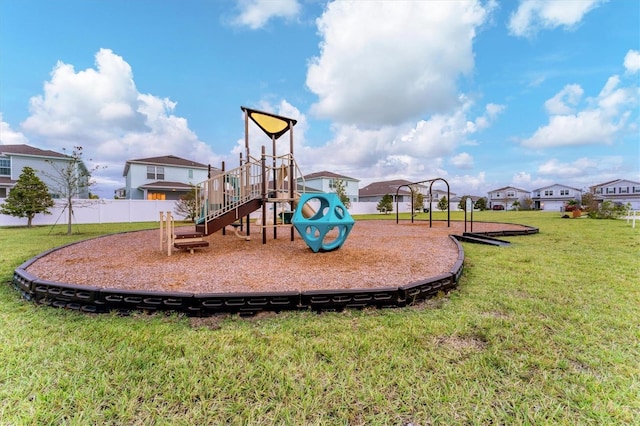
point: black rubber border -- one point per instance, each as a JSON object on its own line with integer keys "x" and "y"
{"x": 92, "y": 299}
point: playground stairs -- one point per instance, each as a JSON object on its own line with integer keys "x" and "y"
{"x": 471, "y": 237}
{"x": 229, "y": 217}
{"x": 189, "y": 241}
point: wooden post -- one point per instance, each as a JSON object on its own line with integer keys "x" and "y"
{"x": 263, "y": 162}
{"x": 161, "y": 231}
{"x": 293, "y": 182}
{"x": 169, "y": 232}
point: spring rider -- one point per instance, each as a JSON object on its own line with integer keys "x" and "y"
{"x": 331, "y": 214}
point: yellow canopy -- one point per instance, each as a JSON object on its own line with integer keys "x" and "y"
{"x": 273, "y": 125}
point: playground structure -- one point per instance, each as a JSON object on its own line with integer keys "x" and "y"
{"x": 228, "y": 198}
{"x": 411, "y": 187}
{"x": 268, "y": 184}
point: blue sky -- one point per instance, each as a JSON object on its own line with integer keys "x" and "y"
{"x": 484, "y": 94}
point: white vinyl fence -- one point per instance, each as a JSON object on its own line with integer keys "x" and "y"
{"x": 118, "y": 211}
{"x": 98, "y": 211}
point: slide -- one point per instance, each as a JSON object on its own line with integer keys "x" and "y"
{"x": 307, "y": 210}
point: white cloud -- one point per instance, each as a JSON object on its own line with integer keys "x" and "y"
{"x": 413, "y": 152}
{"x": 101, "y": 110}
{"x": 468, "y": 184}
{"x": 462, "y": 161}
{"x": 535, "y": 15}
{"x": 564, "y": 101}
{"x": 582, "y": 171}
{"x": 632, "y": 61}
{"x": 485, "y": 120}
{"x": 553, "y": 167}
{"x": 8, "y": 136}
{"x": 598, "y": 122}
{"x": 383, "y": 63}
{"x": 256, "y": 13}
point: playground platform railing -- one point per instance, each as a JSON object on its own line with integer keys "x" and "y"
{"x": 231, "y": 189}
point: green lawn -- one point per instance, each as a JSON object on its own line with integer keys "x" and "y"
{"x": 546, "y": 331}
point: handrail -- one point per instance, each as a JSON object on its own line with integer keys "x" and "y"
{"x": 231, "y": 189}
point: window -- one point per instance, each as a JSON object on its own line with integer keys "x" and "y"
{"x": 497, "y": 195}
{"x": 548, "y": 193}
{"x": 564, "y": 192}
{"x": 156, "y": 196}
{"x": 511, "y": 194}
{"x": 611, "y": 190}
{"x": 154, "y": 172}
{"x": 5, "y": 167}
{"x": 636, "y": 189}
{"x": 190, "y": 174}
{"x": 624, "y": 190}
{"x": 3, "y": 192}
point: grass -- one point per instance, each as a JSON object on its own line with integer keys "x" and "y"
{"x": 546, "y": 331}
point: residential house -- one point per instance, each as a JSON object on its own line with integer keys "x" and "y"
{"x": 400, "y": 191}
{"x": 161, "y": 178}
{"x": 618, "y": 191}
{"x": 45, "y": 163}
{"x": 554, "y": 197}
{"x": 504, "y": 198}
{"x": 326, "y": 182}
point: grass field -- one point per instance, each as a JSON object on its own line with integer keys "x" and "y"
{"x": 546, "y": 331}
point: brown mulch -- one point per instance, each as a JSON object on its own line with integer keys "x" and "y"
{"x": 377, "y": 253}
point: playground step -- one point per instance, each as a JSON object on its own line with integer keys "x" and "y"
{"x": 185, "y": 237}
{"x": 191, "y": 245}
{"x": 481, "y": 239}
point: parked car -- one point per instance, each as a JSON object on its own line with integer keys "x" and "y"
{"x": 498, "y": 207}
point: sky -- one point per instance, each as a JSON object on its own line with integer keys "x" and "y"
{"x": 483, "y": 94}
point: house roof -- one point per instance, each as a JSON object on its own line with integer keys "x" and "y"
{"x": 166, "y": 185}
{"x": 385, "y": 187}
{"x": 613, "y": 181}
{"x": 4, "y": 181}
{"x": 29, "y": 150}
{"x": 555, "y": 185}
{"x": 166, "y": 160}
{"x": 509, "y": 187}
{"x": 326, "y": 174}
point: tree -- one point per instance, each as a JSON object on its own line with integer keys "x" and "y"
{"x": 481, "y": 204}
{"x": 28, "y": 197}
{"x": 610, "y": 210}
{"x": 443, "y": 203}
{"x": 589, "y": 202}
{"x": 385, "y": 205}
{"x": 71, "y": 180}
{"x": 417, "y": 198}
{"x": 339, "y": 186}
{"x": 186, "y": 206}
{"x": 515, "y": 205}
{"x": 462, "y": 205}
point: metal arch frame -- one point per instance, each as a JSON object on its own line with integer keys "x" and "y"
{"x": 408, "y": 185}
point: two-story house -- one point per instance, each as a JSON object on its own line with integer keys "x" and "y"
{"x": 161, "y": 178}
{"x": 554, "y": 197}
{"x": 45, "y": 163}
{"x": 326, "y": 182}
{"x": 618, "y": 191}
{"x": 505, "y": 197}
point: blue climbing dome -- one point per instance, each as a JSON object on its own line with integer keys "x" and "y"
{"x": 314, "y": 230}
